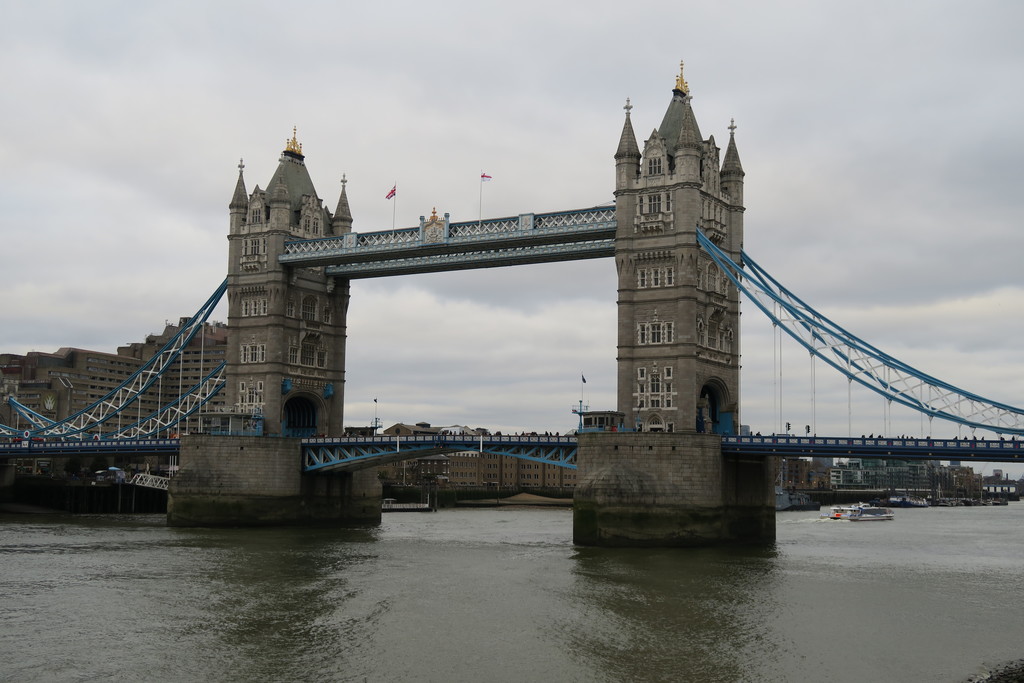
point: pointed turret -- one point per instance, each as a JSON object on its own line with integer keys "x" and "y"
{"x": 628, "y": 148}
{"x": 731, "y": 166}
{"x": 239, "y": 203}
{"x": 342, "y": 220}
{"x": 732, "y": 169}
{"x": 240, "y": 199}
{"x": 687, "y": 145}
{"x": 689, "y": 132}
{"x": 627, "y": 156}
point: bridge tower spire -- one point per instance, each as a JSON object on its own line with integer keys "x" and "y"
{"x": 286, "y": 325}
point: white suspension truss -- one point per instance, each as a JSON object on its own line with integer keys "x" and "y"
{"x": 130, "y": 390}
{"x": 171, "y": 414}
{"x": 858, "y": 360}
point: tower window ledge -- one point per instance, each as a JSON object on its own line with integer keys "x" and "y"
{"x": 649, "y": 227}
{"x": 714, "y": 234}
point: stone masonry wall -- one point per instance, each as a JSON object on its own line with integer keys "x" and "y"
{"x": 665, "y": 490}
{"x": 251, "y": 481}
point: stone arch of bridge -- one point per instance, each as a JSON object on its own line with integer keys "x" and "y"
{"x": 300, "y": 416}
{"x": 715, "y": 408}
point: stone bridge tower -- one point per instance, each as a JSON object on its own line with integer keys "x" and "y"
{"x": 285, "y": 366}
{"x": 664, "y": 481}
{"x": 286, "y": 325}
{"x": 678, "y": 337}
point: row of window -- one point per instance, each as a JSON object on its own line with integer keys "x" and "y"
{"x": 712, "y": 280}
{"x": 719, "y": 338}
{"x": 309, "y": 310}
{"x": 252, "y": 307}
{"x": 250, "y": 394}
{"x": 309, "y": 355}
{"x": 666, "y": 372}
{"x": 654, "y": 401}
{"x": 655, "y": 333}
{"x": 310, "y": 221}
{"x": 652, "y": 203}
{"x": 253, "y": 353}
{"x": 656, "y": 386}
{"x": 713, "y": 211}
{"x": 254, "y": 246}
{"x": 655, "y": 277}
{"x": 107, "y": 361}
{"x": 311, "y": 224}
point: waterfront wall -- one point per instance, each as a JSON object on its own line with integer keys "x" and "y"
{"x": 254, "y": 481}
{"x": 6, "y": 481}
{"x": 87, "y": 497}
{"x": 669, "y": 489}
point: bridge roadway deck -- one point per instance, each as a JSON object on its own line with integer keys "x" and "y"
{"x": 351, "y": 453}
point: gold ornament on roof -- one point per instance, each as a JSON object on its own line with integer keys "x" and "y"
{"x": 681, "y": 84}
{"x": 293, "y": 145}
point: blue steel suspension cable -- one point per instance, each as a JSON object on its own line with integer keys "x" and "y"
{"x": 863, "y": 362}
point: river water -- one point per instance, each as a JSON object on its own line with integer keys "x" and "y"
{"x": 502, "y": 594}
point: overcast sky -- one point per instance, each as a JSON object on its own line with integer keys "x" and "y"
{"x": 881, "y": 142}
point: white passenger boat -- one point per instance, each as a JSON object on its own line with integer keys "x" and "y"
{"x": 859, "y": 512}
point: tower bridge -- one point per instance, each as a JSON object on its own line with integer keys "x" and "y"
{"x": 672, "y": 473}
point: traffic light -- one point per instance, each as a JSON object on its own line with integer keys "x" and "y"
{"x": 787, "y": 428}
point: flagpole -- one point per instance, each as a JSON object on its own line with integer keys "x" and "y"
{"x": 481, "y": 221}
{"x": 394, "y": 206}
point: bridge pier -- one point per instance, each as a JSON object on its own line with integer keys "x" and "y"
{"x": 647, "y": 489}
{"x": 258, "y": 481}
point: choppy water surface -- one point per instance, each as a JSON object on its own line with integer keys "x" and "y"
{"x": 503, "y": 595}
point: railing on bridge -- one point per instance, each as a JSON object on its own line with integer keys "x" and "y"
{"x": 977, "y": 450}
{"x": 513, "y": 240}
